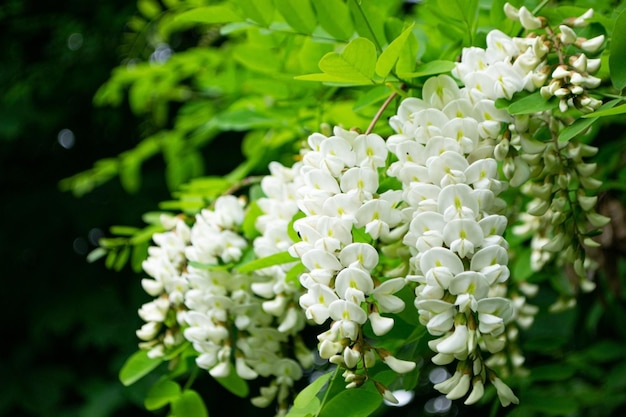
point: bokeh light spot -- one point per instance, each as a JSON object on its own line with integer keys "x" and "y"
{"x": 66, "y": 138}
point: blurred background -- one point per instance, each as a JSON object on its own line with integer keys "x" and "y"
{"x": 67, "y": 325}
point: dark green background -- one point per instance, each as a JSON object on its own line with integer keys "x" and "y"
{"x": 67, "y": 325}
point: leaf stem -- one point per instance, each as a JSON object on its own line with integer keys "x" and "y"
{"x": 380, "y": 112}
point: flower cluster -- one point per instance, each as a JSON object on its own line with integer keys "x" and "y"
{"x": 455, "y": 230}
{"x": 438, "y": 222}
{"x": 340, "y": 200}
{"x": 561, "y": 184}
{"x": 165, "y": 264}
{"x": 215, "y": 308}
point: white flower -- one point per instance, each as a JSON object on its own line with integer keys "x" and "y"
{"x": 347, "y": 310}
{"x": 383, "y": 294}
{"x": 398, "y": 365}
{"x": 528, "y": 20}
{"x": 353, "y": 278}
{"x": 380, "y": 325}
{"x": 505, "y": 394}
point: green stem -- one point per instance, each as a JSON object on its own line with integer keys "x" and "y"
{"x": 540, "y": 6}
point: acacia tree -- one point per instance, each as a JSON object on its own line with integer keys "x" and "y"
{"x": 417, "y": 186}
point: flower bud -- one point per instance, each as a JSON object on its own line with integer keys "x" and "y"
{"x": 580, "y": 63}
{"x": 567, "y": 36}
{"x": 461, "y": 388}
{"x": 398, "y": 365}
{"x": 478, "y": 390}
{"x": 511, "y": 12}
{"x": 561, "y": 72}
{"x": 590, "y": 183}
{"x": 351, "y": 357}
{"x": 590, "y": 45}
{"x": 562, "y": 92}
{"x": 505, "y": 394}
{"x": 593, "y": 65}
{"x": 528, "y": 20}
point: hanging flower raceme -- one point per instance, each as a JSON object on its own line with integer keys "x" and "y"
{"x": 344, "y": 217}
{"x": 455, "y": 230}
{"x": 165, "y": 265}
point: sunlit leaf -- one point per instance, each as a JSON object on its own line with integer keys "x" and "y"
{"x": 149, "y": 8}
{"x": 260, "y": 11}
{"x": 334, "y": 17}
{"x": 267, "y": 261}
{"x": 532, "y": 103}
{"x": 298, "y": 14}
{"x": 219, "y": 13}
{"x": 389, "y": 57}
{"x": 430, "y": 68}
{"x": 355, "y": 65}
{"x": 137, "y": 366}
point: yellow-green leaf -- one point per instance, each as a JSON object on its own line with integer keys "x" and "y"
{"x": 355, "y": 65}
{"x": 389, "y": 57}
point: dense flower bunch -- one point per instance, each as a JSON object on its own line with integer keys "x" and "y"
{"x": 561, "y": 187}
{"x": 216, "y": 308}
{"x": 428, "y": 198}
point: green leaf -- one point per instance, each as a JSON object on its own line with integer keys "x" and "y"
{"x": 298, "y": 14}
{"x": 551, "y": 403}
{"x": 294, "y": 273}
{"x": 235, "y": 384}
{"x": 271, "y": 260}
{"x": 355, "y": 65}
{"x": 259, "y": 11}
{"x": 430, "y": 68}
{"x": 137, "y": 366}
{"x": 130, "y": 174}
{"x": 243, "y": 119}
{"x": 352, "y": 403}
{"x": 532, "y": 103}
{"x": 122, "y": 258}
{"x": 220, "y": 13}
{"x": 581, "y": 125}
{"x": 149, "y": 8}
{"x": 307, "y": 394}
{"x": 96, "y": 254}
{"x": 334, "y": 17}
{"x": 189, "y": 404}
{"x": 123, "y": 230}
{"x": 389, "y": 57}
{"x": 617, "y": 58}
{"x": 607, "y": 112}
{"x": 161, "y": 394}
{"x": 249, "y": 222}
{"x": 372, "y": 96}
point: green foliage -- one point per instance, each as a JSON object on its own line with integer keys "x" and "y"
{"x": 617, "y": 62}
{"x": 137, "y": 366}
{"x": 251, "y": 80}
